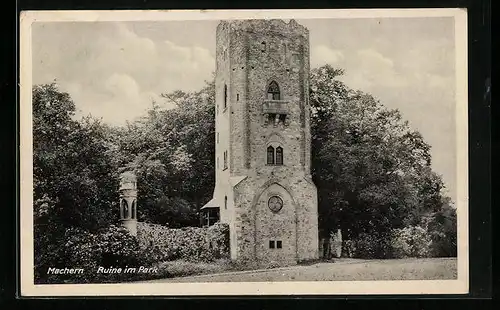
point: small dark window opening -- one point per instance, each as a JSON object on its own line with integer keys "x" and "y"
{"x": 270, "y": 155}
{"x": 271, "y": 117}
{"x": 237, "y": 97}
{"x": 150, "y": 243}
{"x": 271, "y": 244}
{"x": 225, "y": 202}
{"x": 263, "y": 46}
{"x": 217, "y": 137}
{"x": 225, "y": 96}
{"x": 273, "y": 91}
{"x": 278, "y": 244}
{"x": 279, "y": 155}
{"x": 125, "y": 209}
{"x": 282, "y": 118}
{"x": 225, "y": 160}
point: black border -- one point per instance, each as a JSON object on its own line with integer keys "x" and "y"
{"x": 479, "y": 56}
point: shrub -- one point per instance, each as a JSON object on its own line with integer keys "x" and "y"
{"x": 372, "y": 245}
{"x": 368, "y": 246}
{"x": 118, "y": 248}
{"x": 411, "y": 241}
{"x": 188, "y": 243}
{"x": 68, "y": 248}
{"x": 78, "y": 248}
{"x": 218, "y": 235}
{"x": 442, "y": 229}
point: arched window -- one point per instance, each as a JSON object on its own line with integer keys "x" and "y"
{"x": 121, "y": 209}
{"x": 225, "y": 202}
{"x": 273, "y": 91}
{"x": 279, "y": 155}
{"x": 225, "y": 96}
{"x": 134, "y": 210}
{"x": 125, "y": 209}
{"x": 270, "y": 155}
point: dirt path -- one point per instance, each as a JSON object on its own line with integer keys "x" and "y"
{"x": 345, "y": 270}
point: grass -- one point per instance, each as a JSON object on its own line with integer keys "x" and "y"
{"x": 339, "y": 270}
{"x": 183, "y": 268}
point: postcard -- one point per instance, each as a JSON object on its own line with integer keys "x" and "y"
{"x": 246, "y": 152}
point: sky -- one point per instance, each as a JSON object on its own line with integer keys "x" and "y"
{"x": 114, "y": 70}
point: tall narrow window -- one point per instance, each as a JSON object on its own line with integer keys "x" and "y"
{"x": 217, "y": 137}
{"x": 134, "y": 211}
{"x": 279, "y": 244}
{"x": 125, "y": 209}
{"x": 225, "y": 96}
{"x": 270, "y": 155}
{"x": 271, "y": 244}
{"x": 122, "y": 215}
{"x": 273, "y": 91}
{"x": 263, "y": 46}
{"x": 279, "y": 155}
{"x": 225, "y": 202}
{"x": 225, "y": 160}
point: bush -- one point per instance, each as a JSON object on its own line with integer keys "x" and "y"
{"x": 118, "y": 248}
{"x": 218, "y": 235}
{"x": 370, "y": 246}
{"x": 69, "y": 248}
{"x": 412, "y": 241}
{"x": 188, "y": 243}
{"x": 78, "y": 248}
{"x": 442, "y": 228}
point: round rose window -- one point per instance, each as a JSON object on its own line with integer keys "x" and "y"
{"x": 275, "y": 203}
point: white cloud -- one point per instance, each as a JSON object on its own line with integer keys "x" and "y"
{"x": 122, "y": 85}
{"x": 113, "y": 73}
{"x": 322, "y": 54}
{"x": 370, "y": 70}
{"x": 374, "y": 59}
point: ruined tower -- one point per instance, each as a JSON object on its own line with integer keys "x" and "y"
{"x": 128, "y": 202}
{"x": 264, "y": 189}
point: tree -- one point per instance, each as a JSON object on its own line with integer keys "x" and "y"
{"x": 74, "y": 179}
{"x": 372, "y": 170}
{"x": 172, "y": 152}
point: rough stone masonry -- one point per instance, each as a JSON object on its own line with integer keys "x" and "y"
{"x": 264, "y": 189}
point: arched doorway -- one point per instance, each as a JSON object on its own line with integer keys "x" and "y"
{"x": 275, "y": 225}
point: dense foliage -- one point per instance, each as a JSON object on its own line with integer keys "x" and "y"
{"x": 373, "y": 174}
{"x": 198, "y": 244}
{"x": 169, "y": 151}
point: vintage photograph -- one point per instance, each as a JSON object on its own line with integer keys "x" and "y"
{"x": 242, "y": 150}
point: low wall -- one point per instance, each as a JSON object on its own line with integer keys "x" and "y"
{"x": 188, "y": 243}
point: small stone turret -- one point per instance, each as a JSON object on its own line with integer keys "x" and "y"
{"x": 128, "y": 201}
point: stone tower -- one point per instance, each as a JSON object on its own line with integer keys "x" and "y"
{"x": 128, "y": 202}
{"x": 264, "y": 189}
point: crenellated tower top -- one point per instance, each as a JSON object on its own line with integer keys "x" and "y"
{"x": 290, "y": 28}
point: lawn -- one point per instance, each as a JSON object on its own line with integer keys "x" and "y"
{"x": 339, "y": 270}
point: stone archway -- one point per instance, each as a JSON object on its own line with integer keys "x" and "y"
{"x": 275, "y": 226}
